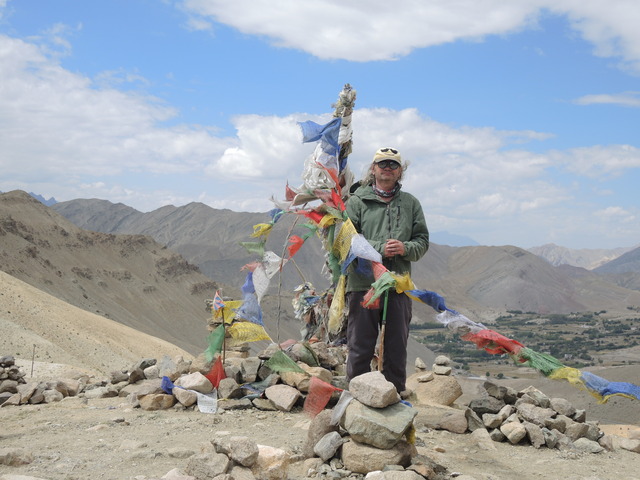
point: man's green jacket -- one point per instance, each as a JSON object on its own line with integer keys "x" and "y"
{"x": 402, "y": 218}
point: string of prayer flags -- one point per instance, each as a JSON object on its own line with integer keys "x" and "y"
{"x": 495, "y": 343}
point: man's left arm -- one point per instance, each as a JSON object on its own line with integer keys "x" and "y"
{"x": 417, "y": 246}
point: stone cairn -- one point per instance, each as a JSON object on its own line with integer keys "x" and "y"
{"x": 366, "y": 429}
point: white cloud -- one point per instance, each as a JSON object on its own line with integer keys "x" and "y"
{"x": 616, "y": 214}
{"x": 625, "y": 99}
{"x": 365, "y": 31}
{"x": 382, "y": 30}
{"x": 598, "y": 161}
{"x": 56, "y": 122}
{"x": 612, "y": 27}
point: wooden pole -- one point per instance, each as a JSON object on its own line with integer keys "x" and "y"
{"x": 382, "y": 332}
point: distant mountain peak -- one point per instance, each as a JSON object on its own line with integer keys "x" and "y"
{"x": 40, "y": 198}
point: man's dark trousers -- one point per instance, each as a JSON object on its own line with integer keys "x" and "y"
{"x": 363, "y": 330}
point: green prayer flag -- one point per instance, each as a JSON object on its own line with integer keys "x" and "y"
{"x": 216, "y": 339}
{"x": 281, "y": 362}
{"x": 254, "y": 247}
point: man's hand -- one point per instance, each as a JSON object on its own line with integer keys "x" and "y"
{"x": 393, "y": 247}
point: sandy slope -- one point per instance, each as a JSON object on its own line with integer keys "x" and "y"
{"x": 64, "y": 334}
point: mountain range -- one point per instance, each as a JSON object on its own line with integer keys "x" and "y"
{"x": 479, "y": 280}
{"x": 152, "y": 272}
{"x": 130, "y": 279}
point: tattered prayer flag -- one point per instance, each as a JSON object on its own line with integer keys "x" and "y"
{"x": 327, "y": 220}
{"x": 250, "y": 309}
{"x": 382, "y": 284}
{"x": 281, "y": 362}
{"x": 276, "y": 214}
{"x": 215, "y": 339}
{"x": 493, "y": 342}
{"x": 260, "y": 281}
{"x": 318, "y": 397}
{"x": 361, "y": 248}
{"x": 167, "y": 385}
{"x": 248, "y": 286}
{"x": 336, "y": 310}
{"x": 545, "y": 363}
{"x": 378, "y": 269}
{"x": 327, "y": 134}
{"x": 296, "y": 243}
{"x": 262, "y": 230}
{"x": 228, "y": 313}
{"x": 218, "y": 303}
{"x": 342, "y": 242}
{"x": 216, "y": 373}
{"x": 272, "y": 263}
{"x": 403, "y": 282}
{"x": 241, "y": 332}
{"x": 289, "y": 193}
{"x": 432, "y": 299}
{"x": 254, "y": 247}
{"x": 337, "y": 199}
{"x": 312, "y": 215}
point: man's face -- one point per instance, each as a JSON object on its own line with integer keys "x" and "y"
{"x": 387, "y": 171}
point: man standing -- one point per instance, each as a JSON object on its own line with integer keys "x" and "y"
{"x": 393, "y": 222}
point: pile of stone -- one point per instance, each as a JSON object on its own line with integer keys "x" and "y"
{"x": 369, "y": 430}
{"x": 10, "y": 377}
{"x": 15, "y": 390}
{"x": 529, "y": 416}
{"x": 142, "y": 384}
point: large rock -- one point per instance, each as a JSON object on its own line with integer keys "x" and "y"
{"x": 243, "y": 450}
{"x": 195, "y": 381}
{"x": 486, "y": 405}
{"x": 185, "y": 397}
{"x": 534, "y": 414}
{"x": 156, "y": 401}
{"x": 454, "y": 421}
{"x": 442, "y": 390}
{"x": 319, "y": 427}
{"x": 374, "y": 390}
{"x": 514, "y": 431}
{"x": 283, "y": 397}
{"x": 563, "y": 406}
{"x": 207, "y": 465}
{"x": 379, "y": 427}
{"x": 361, "y": 458}
{"x": 271, "y": 464}
{"x": 328, "y": 445}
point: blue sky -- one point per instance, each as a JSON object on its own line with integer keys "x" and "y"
{"x": 519, "y": 119}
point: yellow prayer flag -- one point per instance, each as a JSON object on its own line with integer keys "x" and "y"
{"x": 241, "y": 332}
{"x": 570, "y": 374}
{"x": 342, "y": 242}
{"x": 262, "y": 229}
{"x": 403, "y": 282}
{"x": 229, "y": 311}
{"x": 337, "y": 305}
{"x": 327, "y": 220}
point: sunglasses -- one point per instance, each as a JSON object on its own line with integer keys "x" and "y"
{"x": 392, "y": 150}
{"x": 392, "y": 164}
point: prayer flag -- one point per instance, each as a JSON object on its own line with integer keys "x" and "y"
{"x": 216, "y": 339}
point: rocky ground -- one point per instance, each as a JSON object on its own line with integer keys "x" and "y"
{"x": 107, "y": 438}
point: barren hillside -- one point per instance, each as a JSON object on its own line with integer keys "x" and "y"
{"x": 480, "y": 281}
